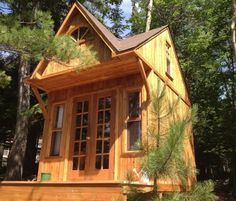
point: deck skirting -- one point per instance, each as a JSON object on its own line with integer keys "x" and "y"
{"x": 61, "y": 191}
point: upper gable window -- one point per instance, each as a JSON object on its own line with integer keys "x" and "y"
{"x": 169, "y": 70}
{"x": 82, "y": 35}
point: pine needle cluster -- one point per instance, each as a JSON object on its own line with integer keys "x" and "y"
{"x": 33, "y": 38}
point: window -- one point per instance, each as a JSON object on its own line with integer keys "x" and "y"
{"x": 82, "y": 35}
{"x": 57, "y": 131}
{"x": 134, "y": 121}
{"x": 168, "y": 61}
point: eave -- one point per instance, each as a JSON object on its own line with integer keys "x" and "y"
{"x": 120, "y": 66}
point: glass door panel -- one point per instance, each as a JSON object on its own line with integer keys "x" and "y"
{"x": 103, "y": 129}
{"x": 79, "y": 154}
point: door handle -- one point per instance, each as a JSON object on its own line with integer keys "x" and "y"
{"x": 88, "y": 138}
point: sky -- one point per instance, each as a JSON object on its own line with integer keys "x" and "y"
{"x": 126, "y": 7}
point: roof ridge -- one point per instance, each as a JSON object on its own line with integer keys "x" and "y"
{"x": 117, "y": 43}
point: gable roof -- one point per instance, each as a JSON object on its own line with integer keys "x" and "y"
{"x": 118, "y": 45}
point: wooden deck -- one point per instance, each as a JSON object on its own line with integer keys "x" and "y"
{"x": 61, "y": 191}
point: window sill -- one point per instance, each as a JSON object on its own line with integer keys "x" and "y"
{"x": 53, "y": 157}
{"x": 169, "y": 76}
{"x": 132, "y": 153}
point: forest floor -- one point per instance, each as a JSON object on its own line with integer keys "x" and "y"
{"x": 225, "y": 197}
{"x": 223, "y": 190}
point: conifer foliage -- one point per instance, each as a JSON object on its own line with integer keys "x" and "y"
{"x": 27, "y": 33}
{"x": 165, "y": 157}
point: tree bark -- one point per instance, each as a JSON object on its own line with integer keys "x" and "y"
{"x": 233, "y": 28}
{"x": 30, "y": 167}
{"x": 149, "y": 15}
{"x": 233, "y": 24}
{"x": 17, "y": 153}
{"x": 1, "y": 153}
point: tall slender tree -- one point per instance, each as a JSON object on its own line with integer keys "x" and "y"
{"x": 149, "y": 15}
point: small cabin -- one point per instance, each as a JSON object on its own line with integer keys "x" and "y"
{"x": 95, "y": 116}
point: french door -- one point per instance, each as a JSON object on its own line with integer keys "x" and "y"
{"x": 92, "y": 138}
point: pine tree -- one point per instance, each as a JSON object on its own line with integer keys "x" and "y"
{"x": 138, "y": 17}
{"x": 27, "y": 33}
{"x": 116, "y": 17}
{"x": 164, "y": 156}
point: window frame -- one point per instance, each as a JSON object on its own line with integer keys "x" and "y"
{"x": 104, "y": 138}
{"x": 169, "y": 68}
{"x": 53, "y": 129}
{"x": 127, "y": 120}
{"x": 73, "y": 128}
{"x": 82, "y": 41}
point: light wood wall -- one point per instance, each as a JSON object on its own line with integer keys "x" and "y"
{"x": 58, "y": 166}
{"x": 154, "y": 51}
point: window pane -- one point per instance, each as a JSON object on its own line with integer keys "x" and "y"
{"x": 77, "y": 134}
{"x": 106, "y": 162}
{"x": 74, "y": 34}
{"x": 133, "y": 104}
{"x": 98, "y": 162}
{"x": 108, "y": 102}
{"x": 85, "y": 119}
{"x": 82, "y": 163}
{"x": 84, "y": 133}
{"x": 106, "y": 147}
{"x": 78, "y": 120}
{"x": 168, "y": 66}
{"x": 86, "y": 105}
{"x": 76, "y": 148}
{"x": 134, "y": 135}
{"x": 107, "y": 116}
{"x": 59, "y": 116}
{"x": 79, "y": 107}
{"x": 101, "y": 103}
{"x": 107, "y": 130}
{"x": 75, "y": 163}
{"x": 55, "y": 143}
{"x": 100, "y": 117}
{"x": 99, "y": 131}
{"x": 83, "y": 148}
{"x": 99, "y": 146}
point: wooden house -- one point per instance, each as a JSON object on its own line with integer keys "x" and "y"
{"x": 94, "y": 117}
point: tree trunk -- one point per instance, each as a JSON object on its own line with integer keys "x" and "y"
{"x": 234, "y": 175}
{"x": 233, "y": 24}
{"x": 30, "y": 167}
{"x": 17, "y": 154}
{"x": 1, "y": 154}
{"x": 149, "y": 15}
{"x": 233, "y": 27}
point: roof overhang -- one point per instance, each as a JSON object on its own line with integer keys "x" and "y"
{"x": 120, "y": 66}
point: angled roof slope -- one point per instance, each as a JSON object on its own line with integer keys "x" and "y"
{"x": 119, "y": 44}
